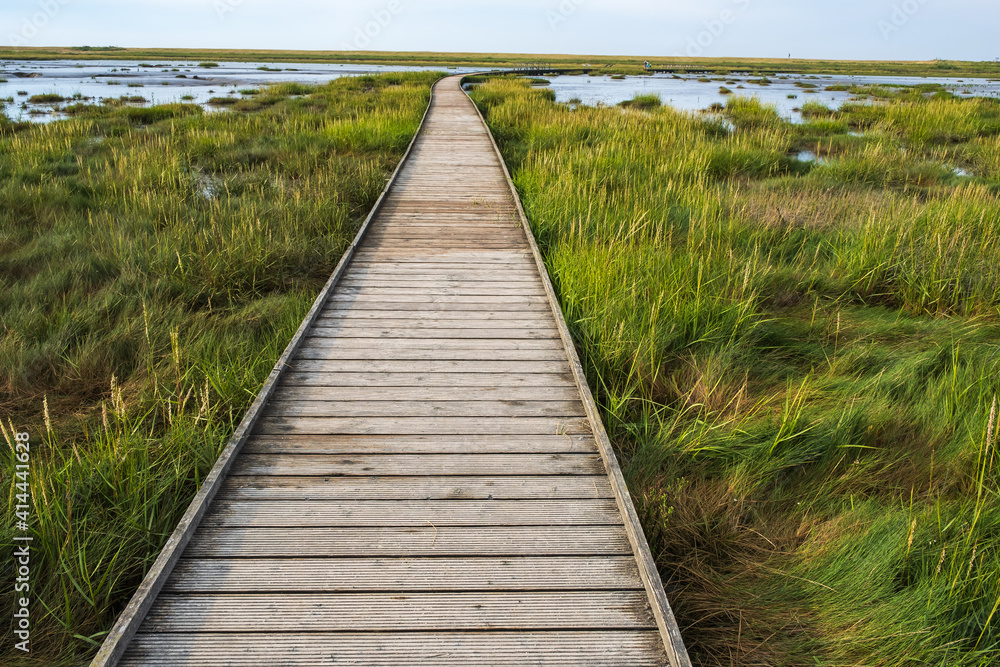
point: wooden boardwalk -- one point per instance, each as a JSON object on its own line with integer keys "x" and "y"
{"x": 425, "y": 480}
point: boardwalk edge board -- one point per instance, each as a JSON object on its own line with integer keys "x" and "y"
{"x": 665, "y": 621}
{"x": 131, "y": 618}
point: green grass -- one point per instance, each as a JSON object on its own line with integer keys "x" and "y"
{"x": 796, "y": 362}
{"x": 46, "y": 99}
{"x": 599, "y": 64}
{"x": 154, "y": 263}
{"x": 643, "y": 102}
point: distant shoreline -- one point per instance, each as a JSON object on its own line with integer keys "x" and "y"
{"x": 610, "y": 64}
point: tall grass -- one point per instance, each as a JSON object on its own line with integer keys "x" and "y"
{"x": 796, "y": 361}
{"x": 153, "y": 265}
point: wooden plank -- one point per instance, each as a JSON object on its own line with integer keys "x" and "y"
{"x": 401, "y": 253}
{"x": 418, "y": 242}
{"x": 427, "y": 353}
{"x": 497, "y": 325}
{"x": 478, "y": 180}
{"x": 440, "y": 367}
{"x": 438, "y": 290}
{"x": 413, "y": 379}
{"x": 423, "y": 426}
{"x": 418, "y": 248}
{"x": 419, "y": 464}
{"x": 417, "y": 444}
{"x": 410, "y": 247}
{"x": 394, "y": 296}
{"x": 504, "y": 216}
{"x": 563, "y": 393}
{"x": 383, "y": 612}
{"x": 452, "y": 234}
{"x": 444, "y": 330}
{"x": 414, "y": 487}
{"x": 482, "y": 257}
{"x": 501, "y": 217}
{"x": 411, "y": 542}
{"x": 397, "y": 408}
{"x": 483, "y": 174}
{"x": 470, "y": 225}
{"x": 452, "y": 212}
{"x": 286, "y": 575}
{"x": 502, "y": 235}
{"x": 487, "y": 198}
{"x": 466, "y": 180}
{"x": 361, "y": 279}
{"x": 499, "y": 344}
{"x": 404, "y": 213}
{"x": 451, "y": 306}
{"x": 332, "y": 513}
{"x": 512, "y": 262}
{"x": 548, "y": 332}
{"x": 623, "y": 648}
{"x": 449, "y": 277}
{"x": 497, "y": 222}
{"x": 519, "y": 266}
{"x": 491, "y": 228}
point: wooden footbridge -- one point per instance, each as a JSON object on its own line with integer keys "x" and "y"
{"x": 425, "y": 479}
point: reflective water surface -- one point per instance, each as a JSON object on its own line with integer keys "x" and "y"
{"x": 156, "y": 82}
{"x": 172, "y": 81}
{"x": 787, "y": 92}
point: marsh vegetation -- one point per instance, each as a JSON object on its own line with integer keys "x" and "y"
{"x": 798, "y": 361}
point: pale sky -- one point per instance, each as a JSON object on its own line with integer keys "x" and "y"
{"x": 836, "y": 29}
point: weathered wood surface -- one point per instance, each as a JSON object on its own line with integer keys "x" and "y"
{"x": 419, "y": 611}
{"x": 421, "y": 444}
{"x": 426, "y": 485}
{"x": 414, "y": 486}
{"x": 403, "y": 575}
{"x": 413, "y": 541}
{"x": 420, "y": 464}
{"x": 593, "y": 648}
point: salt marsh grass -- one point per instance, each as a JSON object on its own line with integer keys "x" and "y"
{"x": 154, "y": 263}
{"x": 796, "y": 361}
